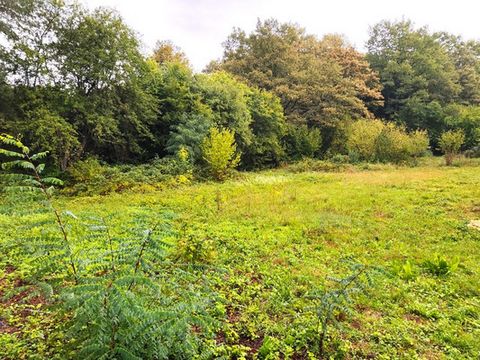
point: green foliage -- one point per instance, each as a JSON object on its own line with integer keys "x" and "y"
{"x": 450, "y": 143}
{"x": 189, "y": 134}
{"x": 373, "y": 140}
{"x": 362, "y": 138}
{"x": 466, "y": 119}
{"x": 24, "y": 174}
{"x": 268, "y": 127}
{"x": 315, "y": 165}
{"x": 321, "y": 83}
{"x": 441, "y": 266}
{"x": 132, "y": 303}
{"x": 54, "y": 134}
{"x": 339, "y": 299}
{"x": 275, "y": 236}
{"x": 416, "y": 72}
{"x": 300, "y": 141}
{"x": 90, "y": 176}
{"x": 227, "y": 97}
{"x": 126, "y": 300}
{"x": 406, "y": 271}
{"x": 220, "y": 152}
{"x": 193, "y": 248}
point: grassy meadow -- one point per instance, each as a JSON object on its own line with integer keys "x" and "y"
{"x": 268, "y": 240}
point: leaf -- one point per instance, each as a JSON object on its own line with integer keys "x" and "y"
{"x": 52, "y": 181}
{"x": 10, "y": 140}
{"x": 39, "y": 155}
{"x": 69, "y": 213}
{"x": 40, "y": 168}
{"x": 11, "y": 153}
{"x": 31, "y": 182}
{"x": 18, "y": 163}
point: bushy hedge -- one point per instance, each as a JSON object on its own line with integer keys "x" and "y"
{"x": 374, "y": 140}
{"x": 91, "y": 176}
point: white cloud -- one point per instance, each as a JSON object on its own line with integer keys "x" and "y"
{"x": 200, "y": 26}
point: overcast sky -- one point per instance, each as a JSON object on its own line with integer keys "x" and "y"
{"x": 200, "y": 26}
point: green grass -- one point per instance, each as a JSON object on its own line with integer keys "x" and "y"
{"x": 276, "y": 236}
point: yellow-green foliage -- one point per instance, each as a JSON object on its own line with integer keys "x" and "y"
{"x": 418, "y": 142}
{"x": 450, "y": 144}
{"x": 373, "y": 140}
{"x": 220, "y": 152}
{"x": 362, "y": 138}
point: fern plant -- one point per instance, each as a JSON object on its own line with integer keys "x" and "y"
{"x": 338, "y": 300}
{"x": 24, "y": 173}
{"x": 128, "y": 301}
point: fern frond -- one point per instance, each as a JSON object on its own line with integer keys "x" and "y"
{"x": 10, "y": 153}
{"x": 10, "y": 140}
{"x": 52, "y": 181}
{"x": 39, "y": 156}
{"x": 18, "y": 163}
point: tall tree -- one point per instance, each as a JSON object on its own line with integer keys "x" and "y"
{"x": 320, "y": 83}
{"x": 466, "y": 58}
{"x": 166, "y": 51}
{"x": 29, "y": 28}
{"x": 417, "y": 74}
{"x": 83, "y": 71}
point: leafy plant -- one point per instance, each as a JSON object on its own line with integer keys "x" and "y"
{"x": 194, "y": 248}
{"x": 301, "y": 141}
{"x": 128, "y": 301}
{"x": 441, "y": 266}
{"x": 339, "y": 299}
{"x": 134, "y": 304}
{"x": 219, "y": 152}
{"x": 25, "y": 175}
{"x": 373, "y": 140}
{"x": 450, "y": 144}
{"x": 406, "y": 271}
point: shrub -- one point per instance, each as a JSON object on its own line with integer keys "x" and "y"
{"x": 392, "y": 145}
{"x": 220, "y": 152}
{"x": 441, "y": 266}
{"x": 86, "y": 170}
{"x": 373, "y": 140}
{"x": 450, "y": 144}
{"x": 90, "y": 176}
{"x": 467, "y": 119}
{"x": 194, "y": 248}
{"x": 419, "y": 143}
{"x": 301, "y": 141}
{"x": 361, "y": 142}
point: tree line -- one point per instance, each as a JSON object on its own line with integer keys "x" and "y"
{"x": 76, "y": 83}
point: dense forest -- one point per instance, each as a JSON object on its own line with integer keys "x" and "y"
{"x": 74, "y": 82}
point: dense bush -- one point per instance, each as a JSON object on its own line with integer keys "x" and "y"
{"x": 450, "y": 143}
{"x": 309, "y": 164}
{"x": 220, "y": 152}
{"x": 362, "y": 138}
{"x": 373, "y": 140}
{"x": 301, "y": 141}
{"x": 91, "y": 176}
{"x": 467, "y": 119}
